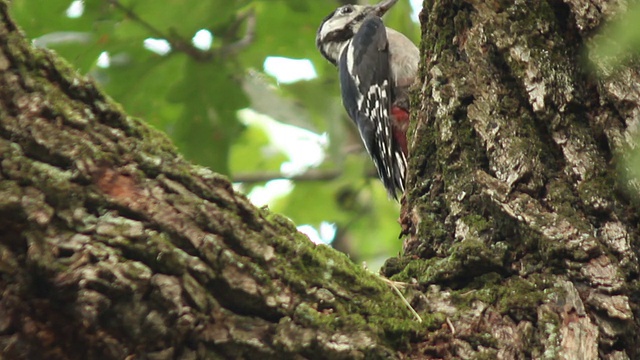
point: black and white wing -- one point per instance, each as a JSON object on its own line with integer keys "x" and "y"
{"x": 367, "y": 96}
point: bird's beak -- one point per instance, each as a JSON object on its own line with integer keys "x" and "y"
{"x": 383, "y": 7}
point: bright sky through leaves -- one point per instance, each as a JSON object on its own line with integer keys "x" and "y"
{"x": 76, "y": 9}
{"x": 203, "y": 39}
{"x": 288, "y": 70}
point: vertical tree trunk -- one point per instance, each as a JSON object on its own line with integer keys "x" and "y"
{"x": 525, "y": 229}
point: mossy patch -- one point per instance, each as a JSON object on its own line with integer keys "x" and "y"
{"x": 514, "y": 296}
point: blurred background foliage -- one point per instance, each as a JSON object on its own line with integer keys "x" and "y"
{"x": 615, "y": 52}
{"x": 239, "y": 87}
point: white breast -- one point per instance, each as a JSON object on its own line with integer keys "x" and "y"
{"x": 404, "y": 58}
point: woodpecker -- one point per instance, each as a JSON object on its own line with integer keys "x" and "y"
{"x": 376, "y": 65}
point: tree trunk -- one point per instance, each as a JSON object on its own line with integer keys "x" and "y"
{"x": 521, "y": 240}
{"x": 527, "y": 236}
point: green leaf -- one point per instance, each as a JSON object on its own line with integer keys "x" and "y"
{"x": 146, "y": 97}
{"x": 271, "y": 100}
{"x": 619, "y": 39}
{"x": 253, "y": 152}
{"x": 38, "y": 17}
{"x": 208, "y": 124}
{"x": 301, "y": 22}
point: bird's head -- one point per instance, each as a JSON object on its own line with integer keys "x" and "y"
{"x": 339, "y": 27}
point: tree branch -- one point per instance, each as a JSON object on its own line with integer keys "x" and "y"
{"x": 310, "y": 175}
{"x": 179, "y": 44}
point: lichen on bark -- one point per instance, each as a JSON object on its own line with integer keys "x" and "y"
{"x": 514, "y": 205}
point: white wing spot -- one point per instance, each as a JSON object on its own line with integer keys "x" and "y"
{"x": 374, "y": 105}
{"x": 400, "y": 159}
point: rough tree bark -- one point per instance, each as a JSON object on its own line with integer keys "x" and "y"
{"x": 521, "y": 243}
{"x": 114, "y": 247}
{"x": 526, "y": 230}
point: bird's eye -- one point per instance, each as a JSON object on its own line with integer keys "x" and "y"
{"x": 346, "y": 10}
